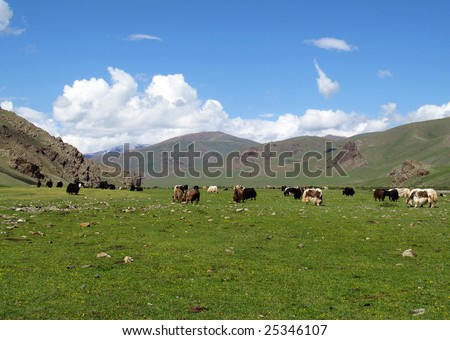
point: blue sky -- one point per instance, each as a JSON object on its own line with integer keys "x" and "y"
{"x": 100, "y": 73}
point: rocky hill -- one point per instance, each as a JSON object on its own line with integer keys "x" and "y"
{"x": 29, "y": 154}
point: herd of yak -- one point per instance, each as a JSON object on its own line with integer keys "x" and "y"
{"x": 74, "y": 187}
{"x": 184, "y": 194}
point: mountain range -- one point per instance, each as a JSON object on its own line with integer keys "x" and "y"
{"x": 415, "y": 154}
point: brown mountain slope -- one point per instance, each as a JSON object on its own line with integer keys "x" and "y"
{"x": 28, "y": 154}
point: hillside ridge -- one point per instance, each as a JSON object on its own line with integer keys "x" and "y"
{"x": 29, "y": 153}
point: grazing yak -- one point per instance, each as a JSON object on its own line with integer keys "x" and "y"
{"x": 379, "y": 194}
{"x": 73, "y": 188}
{"x": 313, "y": 195}
{"x": 177, "y": 189}
{"x": 212, "y": 189}
{"x": 392, "y": 194}
{"x": 420, "y": 197}
{"x": 193, "y": 195}
{"x": 59, "y": 184}
{"x": 238, "y": 194}
{"x": 432, "y": 197}
{"x": 348, "y": 191}
{"x": 249, "y": 193}
{"x": 241, "y": 194}
{"x": 295, "y": 191}
{"x": 49, "y": 183}
{"x": 177, "y": 195}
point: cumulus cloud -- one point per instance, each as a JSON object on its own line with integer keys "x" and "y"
{"x": 95, "y": 110}
{"x": 389, "y": 108}
{"x": 384, "y": 74}
{"x": 142, "y": 36}
{"x": 6, "y": 15}
{"x": 95, "y": 114}
{"x": 327, "y": 87}
{"x": 323, "y": 119}
{"x": 7, "y": 105}
{"x": 331, "y": 44}
{"x": 427, "y": 112}
{"x": 391, "y": 112}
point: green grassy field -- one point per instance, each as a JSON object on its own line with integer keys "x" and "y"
{"x": 273, "y": 258}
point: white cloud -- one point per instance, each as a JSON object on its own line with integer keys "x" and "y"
{"x": 384, "y": 74}
{"x": 323, "y": 119}
{"x": 5, "y": 18}
{"x": 5, "y": 15}
{"x": 427, "y": 112}
{"x": 172, "y": 89}
{"x": 313, "y": 122}
{"x": 7, "y": 105}
{"x": 97, "y": 113}
{"x": 262, "y": 130}
{"x": 331, "y": 44}
{"x": 389, "y": 109}
{"x": 141, "y": 36}
{"x": 30, "y": 114}
{"x": 327, "y": 87}
{"x": 94, "y": 114}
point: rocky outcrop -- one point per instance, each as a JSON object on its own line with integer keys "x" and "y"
{"x": 26, "y": 167}
{"x": 409, "y": 169}
{"x": 351, "y": 157}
